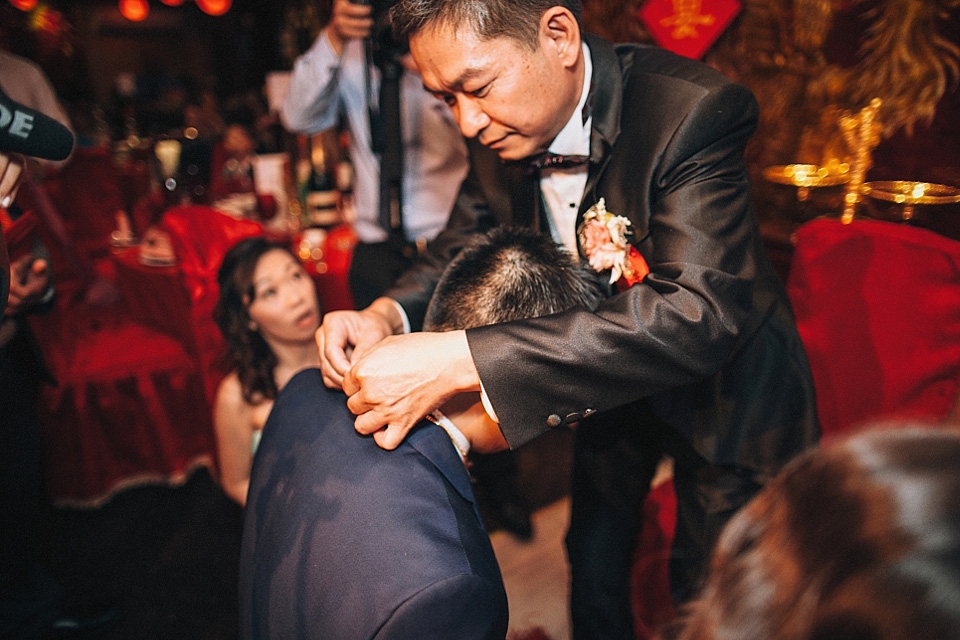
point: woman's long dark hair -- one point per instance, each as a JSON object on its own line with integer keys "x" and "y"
{"x": 245, "y": 352}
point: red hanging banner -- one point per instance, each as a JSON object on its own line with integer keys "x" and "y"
{"x": 688, "y": 27}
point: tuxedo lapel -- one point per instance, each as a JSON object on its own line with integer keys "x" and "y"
{"x": 605, "y": 99}
{"x": 606, "y": 104}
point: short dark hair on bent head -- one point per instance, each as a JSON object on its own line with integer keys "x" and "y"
{"x": 516, "y": 19}
{"x": 858, "y": 539}
{"x": 245, "y": 350}
{"x": 509, "y": 273}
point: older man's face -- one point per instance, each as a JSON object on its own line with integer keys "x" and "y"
{"x": 510, "y": 98}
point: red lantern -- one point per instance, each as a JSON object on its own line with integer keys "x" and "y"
{"x": 172, "y": 3}
{"x": 24, "y": 5}
{"x": 214, "y": 7}
{"x": 134, "y": 10}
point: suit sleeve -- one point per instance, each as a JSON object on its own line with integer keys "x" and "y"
{"x": 466, "y": 607}
{"x": 678, "y": 326}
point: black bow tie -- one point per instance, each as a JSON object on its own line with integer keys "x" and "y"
{"x": 549, "y": 160}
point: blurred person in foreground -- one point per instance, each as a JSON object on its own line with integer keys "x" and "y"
{"x": 32, "y": 600}
{"x": 343, "y": 539}
{"x": 858, "y": 540}
{"x": 694, "y": 355}
{"x": 267, "y": 312}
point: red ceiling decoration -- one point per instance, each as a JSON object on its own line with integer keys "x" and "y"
{"x": 24, "y": 5}
{"x": 134, "y": 10}
{"x": 215, "y": 7}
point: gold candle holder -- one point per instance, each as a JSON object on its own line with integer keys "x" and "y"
{"x": 806, "y": 177}
{"x": 909, "y": 194}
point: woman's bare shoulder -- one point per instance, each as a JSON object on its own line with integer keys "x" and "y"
{"x": 230, "y": 404}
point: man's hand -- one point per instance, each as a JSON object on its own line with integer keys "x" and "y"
{"x": 403, "y": 378}
{"x": 29, "y": 280}
{"x": 345, "y": 336}
{"x": 349, "y": 20}
{"x": 11, "y": 172}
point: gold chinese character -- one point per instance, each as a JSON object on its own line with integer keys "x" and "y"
{"x": 686, "y": 18}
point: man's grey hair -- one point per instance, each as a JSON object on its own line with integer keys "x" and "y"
{"x": 489, "y": 19}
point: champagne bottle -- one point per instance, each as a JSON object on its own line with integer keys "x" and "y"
{"x": 320, "y": 199}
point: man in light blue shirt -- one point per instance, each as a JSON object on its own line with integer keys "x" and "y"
{"x": 330, "y": 80}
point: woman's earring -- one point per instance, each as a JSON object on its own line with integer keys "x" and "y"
{"x": 253, "y": 326}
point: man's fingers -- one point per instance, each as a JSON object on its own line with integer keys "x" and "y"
{"x": 11, "y": 168}
{"x": 368, "y": 422}
{"x": 333, "y": 361}
{"x": 354, "y": 402}
{"x": 330, "y": 378}
{"x": 387, "y": 436}
{"x": 390, "y": 437}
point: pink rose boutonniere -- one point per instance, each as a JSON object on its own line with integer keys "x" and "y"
{"x": 604, "y": 237}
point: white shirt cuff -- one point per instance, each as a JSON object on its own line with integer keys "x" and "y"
{"x": 486, "y": 404}
{"x": 403, "y": 315}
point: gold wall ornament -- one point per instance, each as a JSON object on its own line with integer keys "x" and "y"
{"x": 862, "y": 134}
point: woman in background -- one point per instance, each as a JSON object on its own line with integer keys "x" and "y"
{"x": 268, "y": 313}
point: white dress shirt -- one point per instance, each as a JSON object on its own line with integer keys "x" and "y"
{"x": 324, "y": 85}
{"x": 562, "y": 189}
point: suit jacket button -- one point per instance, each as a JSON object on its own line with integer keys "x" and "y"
{"x": 572, "y": 418}
{"x": 589, "y": 412}
{"x": 553, "y": 420}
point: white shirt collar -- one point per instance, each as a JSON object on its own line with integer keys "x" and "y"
{"x": 574, "y": 138}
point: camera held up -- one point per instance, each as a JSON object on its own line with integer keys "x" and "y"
{"x": 385, "y": 48}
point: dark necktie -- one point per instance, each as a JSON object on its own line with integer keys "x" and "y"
{"x": 391, "y": 156}
{"x": 549, "y": 160}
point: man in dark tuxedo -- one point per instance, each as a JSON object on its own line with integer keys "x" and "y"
{"x": 699, "y": 360}
{"x": 343, "y": 539}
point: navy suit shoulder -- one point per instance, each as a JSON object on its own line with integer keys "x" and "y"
{"x": 345, "y": 540}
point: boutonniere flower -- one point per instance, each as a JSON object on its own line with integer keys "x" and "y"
{"x": 604, "y": 238}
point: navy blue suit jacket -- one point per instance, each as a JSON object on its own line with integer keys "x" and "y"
{"x": 344, "y": 540}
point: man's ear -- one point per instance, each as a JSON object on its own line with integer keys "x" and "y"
{"x": 559, "y": 32}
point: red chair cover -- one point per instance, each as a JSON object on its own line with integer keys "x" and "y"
{"x": 201, "y": 236}
{"x": 878, "y": 309}
{"x": 129, "y": 406}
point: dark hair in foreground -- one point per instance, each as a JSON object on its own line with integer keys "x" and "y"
{"x": 245, "y": 350}
{"x": 516, "y": 19}
{"x": 858, "y": 540}
{"x": 509, "y": 273}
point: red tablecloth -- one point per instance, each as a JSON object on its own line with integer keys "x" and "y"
{"x": 154, "y": 295}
